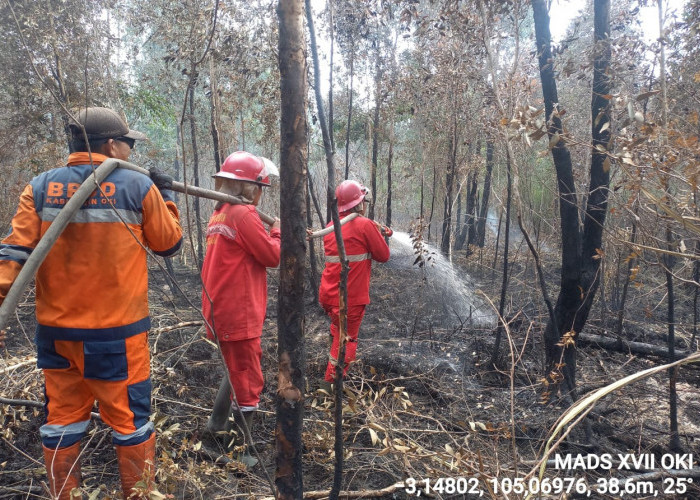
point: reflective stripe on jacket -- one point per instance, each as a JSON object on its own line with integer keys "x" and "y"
{"x": 234, "y": 273}
{"x": 93, "y": 284}
{"x": 349, "y": 258}
{"x": 363, "y": 243}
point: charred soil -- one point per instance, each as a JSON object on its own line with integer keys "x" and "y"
{"x": 422, "y": 401}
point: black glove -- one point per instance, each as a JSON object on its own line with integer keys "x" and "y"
{"x": 160, "y": 178}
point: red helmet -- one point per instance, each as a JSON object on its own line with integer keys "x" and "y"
{"x": 350, "y": 194}
{"x": 243, "y": 166}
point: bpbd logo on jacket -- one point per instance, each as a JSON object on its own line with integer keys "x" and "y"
{"x": 58, "y": 193}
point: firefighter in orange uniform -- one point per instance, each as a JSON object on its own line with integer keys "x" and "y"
{"x": 364, "y": 242}
{"x": 234, "y": 279}
{"x": 91, "y": 298}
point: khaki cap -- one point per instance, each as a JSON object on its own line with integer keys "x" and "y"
{"x": 103, "y": 123}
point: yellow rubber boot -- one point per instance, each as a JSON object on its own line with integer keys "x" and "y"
{"x": 63, "y": 471}
{"x": 137, "y": 465}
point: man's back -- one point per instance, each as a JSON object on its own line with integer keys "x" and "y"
{"x": 95, "y": 276}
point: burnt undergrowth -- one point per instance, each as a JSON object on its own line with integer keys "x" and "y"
{"x": 421, "y": 402}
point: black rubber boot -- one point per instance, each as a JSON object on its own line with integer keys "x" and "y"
{"x": 221, "y": 411}
{"x": 326, "y": 387}
{"x": 240, "y": 440}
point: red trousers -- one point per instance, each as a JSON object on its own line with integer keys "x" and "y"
{"x": 355, "y": 315}
{"x": 243, "y": 361}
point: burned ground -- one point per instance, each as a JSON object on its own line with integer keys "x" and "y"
{"x": 421, "y": 402}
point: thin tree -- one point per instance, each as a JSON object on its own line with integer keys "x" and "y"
{"x": 215, "y": 105}
{"x": 195, "y": 173}
{"x": 290, "y": 309}
{"x": 504, "y": 281}
{"x": 344, "y": 265}
{"x": 581, "y": 251}
{"x": 314, "y": 278}
{"x": 378, "y": 73}
{"x": 674, "y": 440}
{"x": 485, "y": 194}
{"x": 389, "y": 163}
{"x": 449, "y": 185}
{"x": 351, "y": 62}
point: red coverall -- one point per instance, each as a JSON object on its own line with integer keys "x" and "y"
{"x": 363, "y": 243}
{"x": 92, "y": 296}
{"x": 234, "y": 277}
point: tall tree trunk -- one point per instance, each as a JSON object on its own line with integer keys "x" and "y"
{"x": 422, "y": 197}
{"x": 449, "y": 187}
{"x": 349, "y": 125}
{"x": 243, "y": 148}
{"x": 314, "y": 279}
{"x": 432, "y": 200}
{"x": 674, "y": 441}
{"x": 330, "y": 78}
{"x": 214, "y": 102}
{"x": 469, "y": 213}
{"x": 504, "y": 282}
{"x": 327, "y": 144}
{"x": 473, "y": 189}
{"x": 580, "y": 253}
{"x": 375, "y": 125}
{"x": 389, "y": 162}
{"x": 343, "y": 289}
{"x": 61, "y": 93}
{"x": 631, "y": 263}
{"x": 290, "y": 309}
{"x": 696, "y": 279}
{"x": 176, "y": 160}
{"x": 472, "y": 203}
{"x": 195, "y": 173}
{"x": 458, "y": 222}
{"x": 314, "y": 199}
{"x": 462, "y": 231}
{"x": 486, "y": 193}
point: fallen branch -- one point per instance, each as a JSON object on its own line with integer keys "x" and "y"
{"x": 184, "y": 324}
{"x": 21, "y": 402}
{"x": 33, "y": 404}
{"x": 29, "y": 361}
{"x": 627, "y": 346}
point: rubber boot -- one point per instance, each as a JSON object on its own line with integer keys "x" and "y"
{"x": 222, "y": 408}
{"x": 63, "y": 471}
{"x": 326, "y": 387}
{"x": 244, "y": 457}
{"x": 133, "y": 466}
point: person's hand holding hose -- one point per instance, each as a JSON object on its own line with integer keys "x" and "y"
{"x": 160, "y": 178}
{"x": 386, "y": 231}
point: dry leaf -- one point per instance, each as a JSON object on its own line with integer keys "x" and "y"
{"x": 554, "y": 140}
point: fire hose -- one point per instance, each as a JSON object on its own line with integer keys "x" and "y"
{"x": 217, "y": 196}
{"x": 85, "y": 190}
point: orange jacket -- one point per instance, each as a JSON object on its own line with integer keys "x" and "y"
{"x": 93, "y": 284}
{"x": 234, "y": 273}
{"x": 363, "y": 243}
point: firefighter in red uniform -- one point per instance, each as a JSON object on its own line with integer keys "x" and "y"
{"x": 234, "y": 279}
{"x": 364, "y": 242}
{"x": 91, "y": 299}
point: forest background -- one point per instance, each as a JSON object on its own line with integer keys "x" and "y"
{"x": 466, "y": 120}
